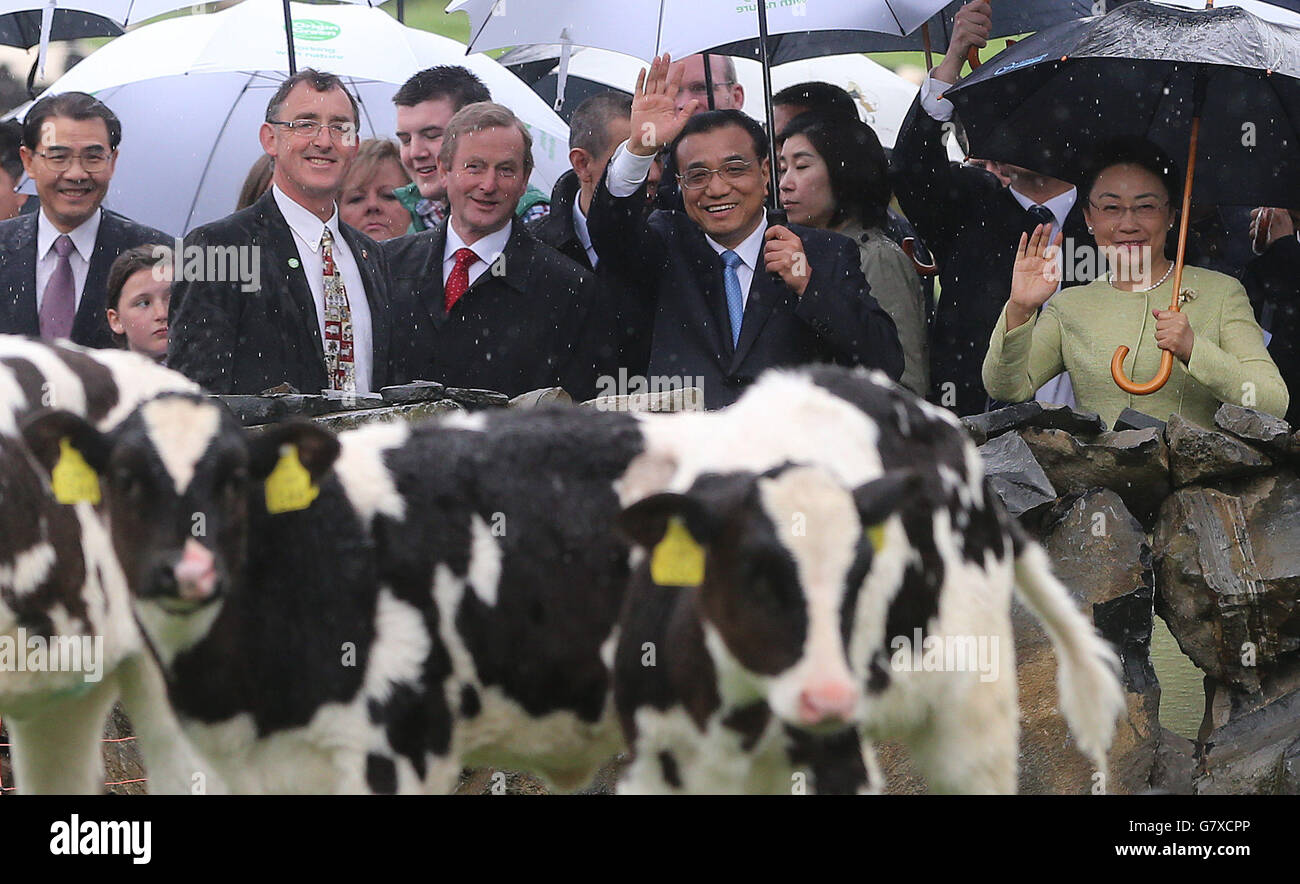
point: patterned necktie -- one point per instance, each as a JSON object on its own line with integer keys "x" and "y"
{"x": 735, "y": 300}
{"x": 59, "y": 305}
{"x": 458, "y": 281}
{"x": 340, "y": 367}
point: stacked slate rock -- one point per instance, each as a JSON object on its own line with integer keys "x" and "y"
{"x": 1201, "y": 526}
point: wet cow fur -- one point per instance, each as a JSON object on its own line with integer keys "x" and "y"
{"x": 59, "y": 580}
{"x": 452, "y": 597}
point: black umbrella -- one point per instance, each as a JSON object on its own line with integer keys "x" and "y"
{"x": 23, "y": 30}
{"x": 1154, "y": 71}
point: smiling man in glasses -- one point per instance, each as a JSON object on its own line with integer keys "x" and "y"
{"x": 54, "y": 263}
{"x": 314, "y": 311}
{"x": 715, "y": 292}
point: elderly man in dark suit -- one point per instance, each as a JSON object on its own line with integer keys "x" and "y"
{"x": 972, "y": 225}
{"x": 482, "y": 302}
{"x": 723, "y": 294}
{"x": 54, "y": 263}
{"x": 315, "y": 312}
{"x": 601, "y": 123}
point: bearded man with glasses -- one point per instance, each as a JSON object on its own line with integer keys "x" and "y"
{"x": 315, "y": 311}
{"x": 54, "y": 263}
{"x": 715, "y": 292}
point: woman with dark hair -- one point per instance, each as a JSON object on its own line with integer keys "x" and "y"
{"x": 139, "y": 292}
{"x": 1218, "y": 347}
{"x": 834, "y": 176}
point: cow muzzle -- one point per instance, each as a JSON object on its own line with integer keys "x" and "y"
{"x": 828, "y": 704}
{"x": 189, "y": 581}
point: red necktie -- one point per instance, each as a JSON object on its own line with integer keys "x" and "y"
{"x": 458, "y": 281}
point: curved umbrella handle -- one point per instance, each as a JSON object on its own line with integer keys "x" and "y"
{"x": 1122, "y": 381}
{"x": 973, "y": 56}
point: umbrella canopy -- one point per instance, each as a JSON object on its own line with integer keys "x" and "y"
{"x": 1010, "y": 18}
{"x": 191, "y": 93}
{"x": 1047, "y": 101}
{"x": 23, "y": 29}
{"x": 883, "y": 98}
{"x": 646, "y": 28}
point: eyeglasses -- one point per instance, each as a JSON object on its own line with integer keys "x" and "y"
{"x": 475, "y": 169}
{"x": 92, "y": 160}
{"x": 1142, "y": 211}
{"x": 344, "y": 132}
{"x": 694, "y": 179}
{"x": 700, "y": 89}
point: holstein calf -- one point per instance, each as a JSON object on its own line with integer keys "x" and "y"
{"x": 69, "y": 645}
{"x": 373, "y": 611}
{"x": 919, "y": 554}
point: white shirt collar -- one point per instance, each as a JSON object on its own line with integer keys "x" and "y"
{"x": 580, "y": 223}
{"x": 750, "y": 249}
{"x": 83, "y": 237}
{"x": 302, "y": 222}
{"x": 1059, "y": 205}
{"x": 487, "y": 247}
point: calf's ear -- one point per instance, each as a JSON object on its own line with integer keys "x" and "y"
{"x": 318, "y": 448}
{"x": 646, "y": 521}
{"x": 45, "y": 431}
{"x": 879, "y": 499}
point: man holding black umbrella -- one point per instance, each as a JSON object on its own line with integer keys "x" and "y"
{"x": 972, "y": 224}
{"x": 718, "y": 293}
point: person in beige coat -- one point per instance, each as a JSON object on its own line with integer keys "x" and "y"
{"x": 1219, "y": 349}
{"x": 834, "y": 176}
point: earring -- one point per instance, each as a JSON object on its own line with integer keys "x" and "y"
{"x": 1090, "y": 230}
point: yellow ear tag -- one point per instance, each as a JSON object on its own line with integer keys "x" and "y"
{"x": 72, "y": 478}
{"x": 289, "y": 487}
{"x": 876, "y": 534}
{"x": 677, "y": 559}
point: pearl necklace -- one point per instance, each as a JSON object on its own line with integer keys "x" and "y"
{"x": 1110, "y": 278}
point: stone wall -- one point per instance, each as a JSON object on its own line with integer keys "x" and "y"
{"x": 1198, "y": 526}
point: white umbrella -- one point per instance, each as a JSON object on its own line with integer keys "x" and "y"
{"x": 192, "y": 91}
{"x": 646, "y": 28}
{"x": 882, "y": 97}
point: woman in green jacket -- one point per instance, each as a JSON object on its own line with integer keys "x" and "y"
{"x": 1219, "y": 349}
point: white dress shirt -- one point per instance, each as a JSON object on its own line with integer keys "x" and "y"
{"x": 307, "y": 231}
{"x": 488, "y": 248}
{"x": 83, "y": 242}
{"x": 627, "y": 171}
{"x": 583, "y": 234}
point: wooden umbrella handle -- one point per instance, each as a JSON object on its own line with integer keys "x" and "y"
{"x": 1166, "y": 358}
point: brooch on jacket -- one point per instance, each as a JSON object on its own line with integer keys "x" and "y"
{"x": 1186, "y": 295}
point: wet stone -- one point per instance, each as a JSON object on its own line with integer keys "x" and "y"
{"x": 1016, "y": 476}
{"x": 1200, "y": 455}
{"x": 992, "y": 424}
{"x": 416, "y": 391}
{"x": 474, "y": 399}
{"x": 1129, "y": 419}
{"x": 545, "y": 396}
{"x": 1270, "y": 433}
{"x": 1132, "y": 463}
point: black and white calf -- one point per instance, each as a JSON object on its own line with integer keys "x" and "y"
{"x": 932, "y": 566}
{"x": 69, "y": 645}
{"x": 450, "y": 594}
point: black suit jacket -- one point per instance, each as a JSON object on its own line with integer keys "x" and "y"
{"x": 18, "y": 314}
{"x": 556, "y": 228}
{"x": 232, "y": 341}
{"x": 972, "y": 225}
{"x": 1272, "y": 283}
{"x": 671, "y": 280}
{"x": 533, "y": 319}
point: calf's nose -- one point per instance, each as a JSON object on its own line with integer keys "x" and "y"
{"x": 196, "y": 573}
{"x": 827, "y": 701}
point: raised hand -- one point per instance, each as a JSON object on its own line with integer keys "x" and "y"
{"x": 971, "y": 27}
{"x": 655, "y": 119}
{"x": 1035, "y": 275}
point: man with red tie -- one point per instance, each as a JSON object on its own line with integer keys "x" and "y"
{"x": 316, "y": 312}
{"x": 478, "y": 300}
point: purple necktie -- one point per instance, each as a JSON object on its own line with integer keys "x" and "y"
{"x": 59, "y": 305}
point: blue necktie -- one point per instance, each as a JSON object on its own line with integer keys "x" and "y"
{"x": 735, "y": 301}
